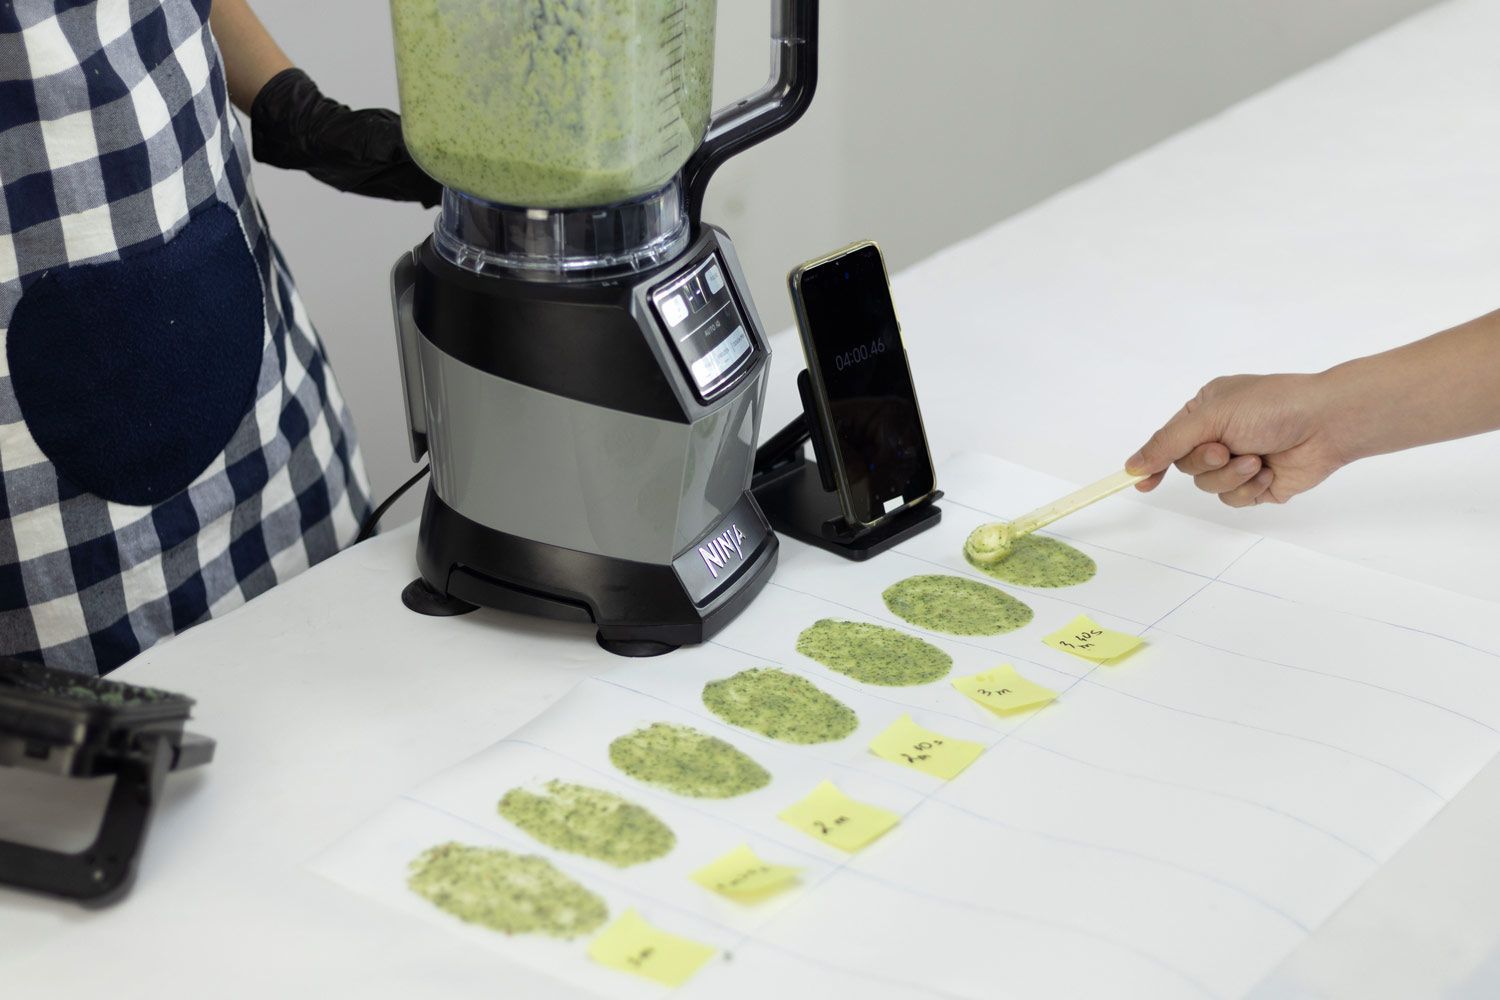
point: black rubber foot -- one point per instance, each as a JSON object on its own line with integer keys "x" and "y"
{"x": 634, "y": 647}
{"x": 421, "y": 598}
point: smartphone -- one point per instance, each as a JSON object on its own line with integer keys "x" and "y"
{"x": 862, "y": 384}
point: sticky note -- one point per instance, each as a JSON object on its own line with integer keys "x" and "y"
{"x": 905, "y": 742}
{"x": 834, "y": 818}
{"x": 630, "y": 944}
{"x": 1086, "y": 638}
{"x": 1004, "y": 690}
{"x": 742, "y": 875}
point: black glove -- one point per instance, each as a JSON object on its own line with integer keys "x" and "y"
{"x": 292, "y": 125}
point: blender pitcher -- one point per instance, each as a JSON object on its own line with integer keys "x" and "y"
{"x": 574, "y": 103}
{"x": 554, "y": 103}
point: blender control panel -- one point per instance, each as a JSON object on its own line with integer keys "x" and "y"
{"x": 702, "y": 319}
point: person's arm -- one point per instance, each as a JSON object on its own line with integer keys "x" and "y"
{"x": 251, "y": 55}
{"x": 294, "y": 126}
{"x": 1265, "y": 438}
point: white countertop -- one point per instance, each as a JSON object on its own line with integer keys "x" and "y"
{"x": 1349, "y": 209}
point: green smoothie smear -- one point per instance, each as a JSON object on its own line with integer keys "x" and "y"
{"x": 510, "y": 893}
{"x": 1040, "y": 561}
{"x": 780, "y": 705}
{"x": 554, "y": 103}
{"x": 956, "y": 605}
{"x": 873, "y": 654}
{"x": 683, "y": 760}
{"x": 589, "y": 821}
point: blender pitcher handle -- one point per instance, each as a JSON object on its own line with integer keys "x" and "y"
{"x": 403, "y": 284}
{"x": 774, "y": 107}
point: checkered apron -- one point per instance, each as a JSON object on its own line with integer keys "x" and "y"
{"x": 119, "y": 156}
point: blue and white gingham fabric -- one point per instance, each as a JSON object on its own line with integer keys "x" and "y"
{"x": 115, "y": 132}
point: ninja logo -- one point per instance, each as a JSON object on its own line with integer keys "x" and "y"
{"x": 716, "y": 552}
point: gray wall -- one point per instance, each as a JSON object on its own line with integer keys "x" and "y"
{"x": 933, "y": 120}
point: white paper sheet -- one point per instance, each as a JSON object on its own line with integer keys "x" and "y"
{"x": 1171, "y": 826}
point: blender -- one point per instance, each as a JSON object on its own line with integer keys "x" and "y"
{"x": 579, "y": 354}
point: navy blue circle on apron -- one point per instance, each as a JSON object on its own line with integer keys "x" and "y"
{"x": 133, "y": 374}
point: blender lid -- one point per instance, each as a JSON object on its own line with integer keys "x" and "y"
{"x": 74, "y": 726}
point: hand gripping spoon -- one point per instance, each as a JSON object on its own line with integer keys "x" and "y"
{"x": 990, "y": 543}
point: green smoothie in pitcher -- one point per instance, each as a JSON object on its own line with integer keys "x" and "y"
{"x": 554, "y": 103}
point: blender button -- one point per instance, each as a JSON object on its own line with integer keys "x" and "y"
{"x": 715, "y": 278}
{"x": 732, "y": 349}
{"x": 705, "y": 370}
{"x": 674, "y": 310}
{"x": 725, "y": 354}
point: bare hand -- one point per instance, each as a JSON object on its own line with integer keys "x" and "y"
{"x": 1250, "y": 439}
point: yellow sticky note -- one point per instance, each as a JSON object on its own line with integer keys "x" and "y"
{"x": 742, "y": 875}
{"x": 905, "y": 742}
{"x": 1084, "y": 637}
{"x": 1004, "y": 690}
{"x": 832, "y": 816}
{"x": 632, "y": 945}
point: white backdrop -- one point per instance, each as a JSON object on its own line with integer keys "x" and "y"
{"x": 932, "y": 121}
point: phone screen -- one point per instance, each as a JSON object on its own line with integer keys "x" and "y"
{"x": 854, "y": 340}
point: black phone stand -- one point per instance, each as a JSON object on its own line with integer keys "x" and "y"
{"x": 800, "y": 497}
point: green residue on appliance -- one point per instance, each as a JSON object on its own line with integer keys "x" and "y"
{"x": 1040, "y": 561}
{"x": 589, "y": 821}
{"x": 554, "y": 104}
{"x": 873, "y": 654}
{"x": 510, "y": 893}
{"x": 780, "y": 705}
{"x": 113, "y": 696}
{"x": 683, "y": 760}
{"x": 956, "y": 605}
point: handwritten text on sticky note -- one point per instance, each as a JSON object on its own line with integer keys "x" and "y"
{"x": 630, "y": 944}
{"x": 834, "y": 818}
{"x": 1004, "y": 690}
{"x": 1086, "y": 638}
{"x": 742, "y": 875}
{"x": 905, "y": 742}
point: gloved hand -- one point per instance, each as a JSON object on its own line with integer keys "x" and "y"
{"x": 292, "y": 125}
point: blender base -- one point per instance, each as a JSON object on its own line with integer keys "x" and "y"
{"x": 419, "y": 596}
{"x": 633, "y": 647}
{"x": 639, "y": 608}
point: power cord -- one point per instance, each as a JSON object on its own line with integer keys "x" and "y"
{"x": 368, "y": 528}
